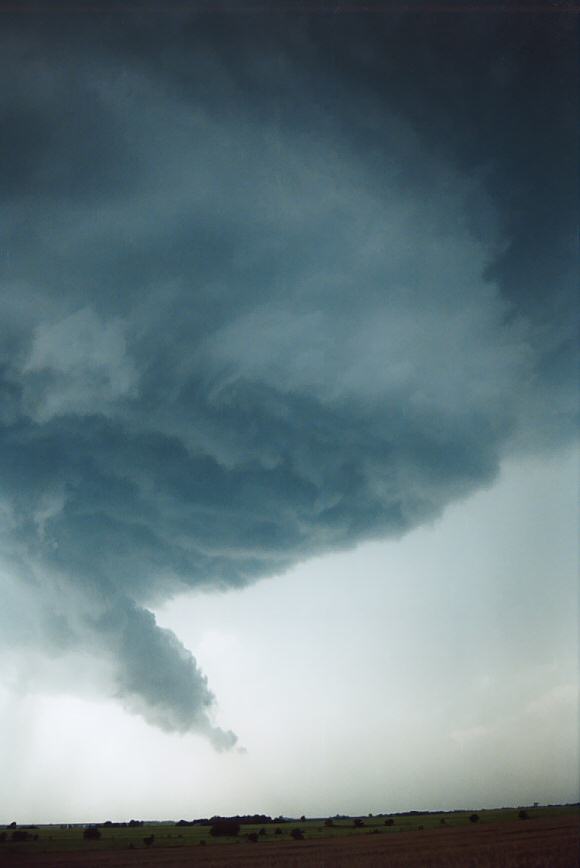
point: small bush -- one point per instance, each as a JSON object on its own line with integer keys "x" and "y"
{"x": 474, "y": 818}
{"x": 19, "y": 835}
{"x": 91, "y": 834}
{"x": 329, "y": 822}
{"x": 297, "y": 834}
{"x": 252, "y": 837}
{"x": 389, "y": 822}
{"x": 278, "y": 831}
{"x": 523, "y": 815}
{"x": 358, "y": 823}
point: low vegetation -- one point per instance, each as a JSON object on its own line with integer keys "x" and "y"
{"x": 262, "y": 831}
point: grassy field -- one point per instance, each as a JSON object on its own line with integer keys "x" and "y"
{"x": 53, "y": 840}
{"x": 547, "y": 841}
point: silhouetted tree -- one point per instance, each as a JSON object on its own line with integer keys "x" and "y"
{"x": 224, "y": 827}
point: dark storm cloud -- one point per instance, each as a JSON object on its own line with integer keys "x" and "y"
{"x": 273, "y": 284}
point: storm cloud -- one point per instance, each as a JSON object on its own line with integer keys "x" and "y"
{"x": 273, "y": 284}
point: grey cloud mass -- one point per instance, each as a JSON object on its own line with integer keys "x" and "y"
{"x": 272, "y": 284}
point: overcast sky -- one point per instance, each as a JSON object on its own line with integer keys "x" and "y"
{"x": 288, "y": 402}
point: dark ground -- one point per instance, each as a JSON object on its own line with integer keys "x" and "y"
{"x": 540, "y": 843}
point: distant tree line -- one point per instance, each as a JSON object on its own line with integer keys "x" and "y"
{"x": 241, "y": 819}
{"x": 110, "y": 824}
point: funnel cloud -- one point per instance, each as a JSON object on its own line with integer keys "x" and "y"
{"x": 273, "y": 284}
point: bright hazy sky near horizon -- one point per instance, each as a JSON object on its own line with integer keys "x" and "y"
{"x": 288, "y": 410}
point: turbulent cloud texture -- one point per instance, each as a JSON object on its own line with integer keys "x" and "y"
{"x": 272, "y": 284}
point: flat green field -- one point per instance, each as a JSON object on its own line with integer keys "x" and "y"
{"x": 57, "y": 838}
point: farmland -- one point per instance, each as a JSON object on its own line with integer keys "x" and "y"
{"x": 549, "y": 837}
